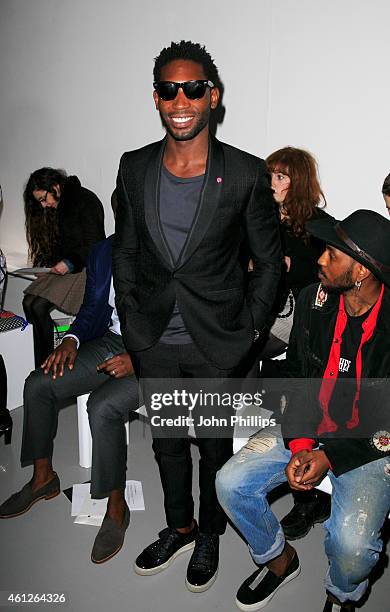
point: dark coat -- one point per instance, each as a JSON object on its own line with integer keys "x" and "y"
{"x": 307, "y": 358}
{"x": 208, "y": 281}
{"x": 304, "y": 254}
{"x": 80, "y": 222}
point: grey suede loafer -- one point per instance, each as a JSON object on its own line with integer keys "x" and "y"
{"x": 21, "y": 502}
{"x": 109, "y": 539}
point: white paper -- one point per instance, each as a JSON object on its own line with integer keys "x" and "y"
{"x": 90, "y": 511}
{"x": 85, "y": 519}
{"x": 134, "y": 495}
{"x": 32, "y": 271}
{"x": 80, "y": 492}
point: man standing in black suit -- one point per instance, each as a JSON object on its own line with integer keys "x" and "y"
{"x": 187, "y": 206}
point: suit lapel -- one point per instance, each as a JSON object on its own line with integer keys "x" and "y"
{"x": 151, "y": 202}
{"x": 208, "y": 203}
{"x": 209, "y": 200}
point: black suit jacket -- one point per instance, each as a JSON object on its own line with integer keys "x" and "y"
{"x": 219, "y": 308}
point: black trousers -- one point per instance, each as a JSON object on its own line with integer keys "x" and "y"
{"x": 37, "y": 311}
{"x": 108, "y": 410}
{"x": 164, "y": 361}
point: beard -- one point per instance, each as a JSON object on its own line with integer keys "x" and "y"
{"x": 341, "y": 284}
{"x": 200, "y": 122}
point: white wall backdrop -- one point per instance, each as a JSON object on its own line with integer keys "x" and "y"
{"x": 75, "y": 79}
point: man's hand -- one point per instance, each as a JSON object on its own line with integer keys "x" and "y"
{"x": 306, "y": 468}
{"x": 60, "y": 268}
{"x": 65, "y": 352}
{"x": 312, "y": 468}
{"x": 295, "y": 462}
{"x": 118, "y": 366}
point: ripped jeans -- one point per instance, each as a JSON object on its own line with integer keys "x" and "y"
{"x": 360, "y": 504}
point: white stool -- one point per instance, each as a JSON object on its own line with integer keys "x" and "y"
{"x": 17, "y": 349}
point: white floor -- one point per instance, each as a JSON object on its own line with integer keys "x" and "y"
{"x": 45, "y": 552}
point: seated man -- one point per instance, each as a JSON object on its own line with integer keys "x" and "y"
{"x": 341, "y": 334}
{"x": 101, "y": 366}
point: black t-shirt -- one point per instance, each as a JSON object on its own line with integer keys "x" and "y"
{"x": 178, "y": 202}
{"x": 340, "y": 406}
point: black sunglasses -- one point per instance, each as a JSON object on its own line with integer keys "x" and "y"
{"x": 193, "y": 90}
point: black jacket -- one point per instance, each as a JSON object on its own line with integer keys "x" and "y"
{"x": 304, "y": 254}
{"x": 208, "y": 281}
{"x": 80, "y": 222}
{"x": 307, "y": 358}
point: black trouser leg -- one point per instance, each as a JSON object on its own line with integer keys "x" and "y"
{"x": 214, "y": 453}
{"x": 5, "y": 417}
{"x": 172, "y": 446}
{"x": 173, "y": 456}
{"x": 37, "y": 311}
{"x": 3, "y": 387}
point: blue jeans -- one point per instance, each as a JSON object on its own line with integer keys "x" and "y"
{"x": 360, "y": 504}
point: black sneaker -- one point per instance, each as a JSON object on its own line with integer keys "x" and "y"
{"x": 332, "y": 604}
{"x": 159, "y": 555}
{"x": 261, "y": 586}
{"x": 298, "y": 522}
{"x": 203, "y": 566}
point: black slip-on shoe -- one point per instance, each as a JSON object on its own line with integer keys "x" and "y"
{"x": 261, "y": 586}
{"x": 203, "y": 566}
{"x": 110, "y": 538}
{"x": 303, "y": 515}
{"x": 160, "y": 554}
{"x": 21, "y": 502}
{"x": 332, "y": 604}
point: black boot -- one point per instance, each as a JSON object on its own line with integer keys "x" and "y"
{"x": 332, "y": 604}
{"x": 310, "y": 507}
{"x": 5, "y": 417}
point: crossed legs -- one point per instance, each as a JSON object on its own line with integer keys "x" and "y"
{"x": 360, "y": 503}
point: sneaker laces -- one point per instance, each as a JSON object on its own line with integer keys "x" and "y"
{"x": 161, "y": 546}
{"x": 205, "y": 547}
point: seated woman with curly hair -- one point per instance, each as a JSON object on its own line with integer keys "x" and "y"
{"x": 63, "y": 221}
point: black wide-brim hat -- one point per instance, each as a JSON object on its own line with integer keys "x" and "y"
{"x": 364, "y": 235}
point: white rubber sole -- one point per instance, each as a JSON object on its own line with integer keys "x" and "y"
{"x": 262, "y": 604}
{"x": 156, "y": 570}
{"x": 200, "y": 589}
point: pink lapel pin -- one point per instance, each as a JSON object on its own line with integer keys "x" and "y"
{"x": 219, "y": 180}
